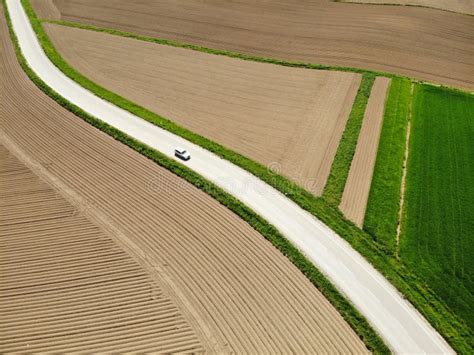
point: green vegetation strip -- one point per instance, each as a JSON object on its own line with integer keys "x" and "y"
{"x": 413, "y": 288}
{"x": 347, "y": 146}
{"x": 344, "y": 307}
{"x": 381, "y": 217}
{"x": 438, "y": 221}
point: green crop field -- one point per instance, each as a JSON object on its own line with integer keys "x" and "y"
{"x": 381, "y": 217}
{"x": 437, "y": 238}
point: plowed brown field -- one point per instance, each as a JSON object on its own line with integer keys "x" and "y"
{"x": 356, "y": 192}
{"x": 46, "y": 9}
{"x": 236, "y": 291}
{"x": 423, "y": 43}
{"x": 288, "y": 118}
{"x": 461, "y": 6}
{"x": 65, "y": 284}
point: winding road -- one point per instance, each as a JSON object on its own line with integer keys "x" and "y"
{"x": 400, "y": 325}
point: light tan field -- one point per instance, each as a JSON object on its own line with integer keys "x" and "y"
{"x": 288, "y": 118}
{"x": 418, "y": 42}
{"x": 234, "y": 290}
{"x": 461, "y": 6}
{"x": 356, "y": 192}
{"x": 65, "y": 284}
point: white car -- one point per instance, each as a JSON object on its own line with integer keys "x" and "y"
{"x": 182, "y": 153}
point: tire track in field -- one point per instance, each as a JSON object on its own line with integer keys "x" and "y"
{"x": 221, "y": 274}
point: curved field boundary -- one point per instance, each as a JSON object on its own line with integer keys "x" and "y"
{"x": 66, "y": 285}
{"x": 416, "y": 291}
{"x": 345, "y": 308}
{"x": 356, "y": 190}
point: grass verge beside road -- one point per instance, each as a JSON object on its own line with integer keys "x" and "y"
{"x": 413, "y": 288}
{"x": 381, "y": 217}
{"x": 347, "y": 145}
{"x": 438, "y": 220}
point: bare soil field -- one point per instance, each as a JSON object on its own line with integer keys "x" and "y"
{"x": 236, "y": 291}
{"x": 288, "y": 118}
{"x": 423, "y": 43}
{"x": 66, "y": 285}
{"x": 46, "y": 9}
{"x": 461, "y": 6}
{"x": 356, "y": 192}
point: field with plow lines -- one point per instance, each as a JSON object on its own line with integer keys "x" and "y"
{"x": 418, "y": 42}
{"x": 461, "y": 6}
{"x": 67, "y": 286}
{"x": 289, "y": 119}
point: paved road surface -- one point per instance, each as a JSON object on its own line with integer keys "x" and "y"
{"x": 400, "y": 325}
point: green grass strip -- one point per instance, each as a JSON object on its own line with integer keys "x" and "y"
{"x": 416, "y": 291}
{"x": 383, "y": 206}
{"x": 344, "y": 307}
{"x": 347, "y": 145}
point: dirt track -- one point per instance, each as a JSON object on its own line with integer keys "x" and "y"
{"x": 236, "y": 291}
{"x": 287, "y": 118}
{"x": 422, "y": 43}
{"x": 356, "y": 192}
{"x": 461, "y": 6}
